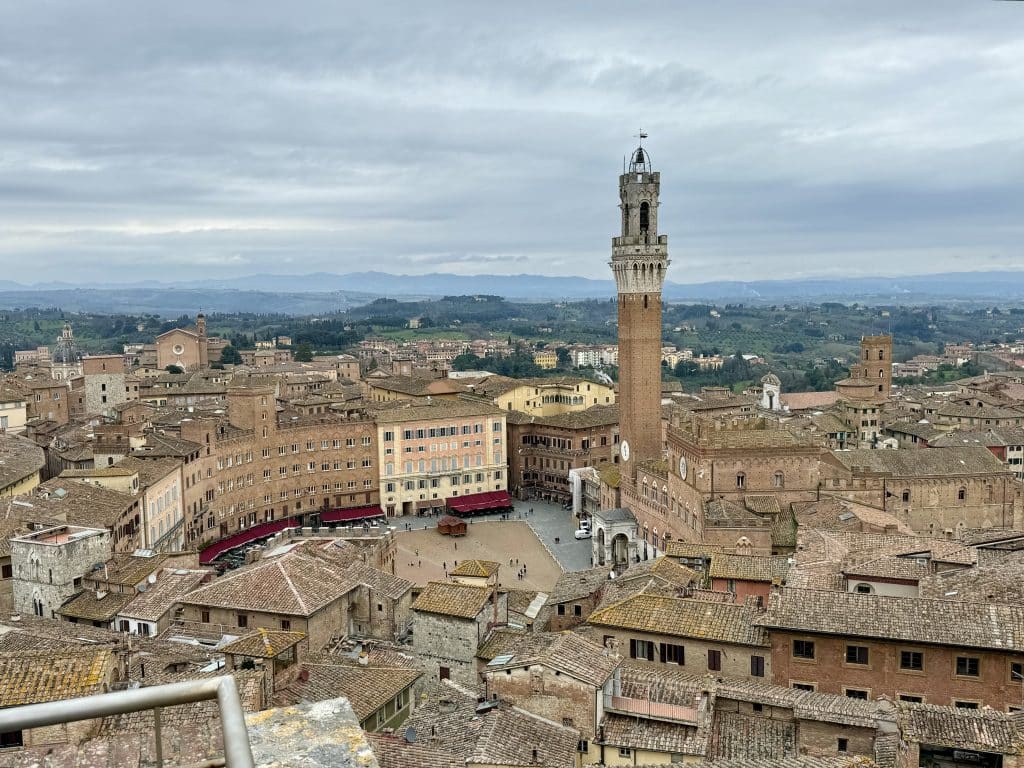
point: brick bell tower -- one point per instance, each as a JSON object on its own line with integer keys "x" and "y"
{"x": 639, "y": 261}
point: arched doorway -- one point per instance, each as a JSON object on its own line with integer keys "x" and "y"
{"x": 620, "y": 551}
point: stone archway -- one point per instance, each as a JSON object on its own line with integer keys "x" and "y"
{"x": 620, "y": 551}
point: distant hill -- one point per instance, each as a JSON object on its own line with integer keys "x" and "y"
{"x": 324, "y": 292}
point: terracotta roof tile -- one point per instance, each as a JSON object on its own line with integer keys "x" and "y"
{"x": 483, "y": 569}
{"x": 464, "y": 601}
{"x": 683, "y": 618}
{"x": 292, "y": 584}
{"x": 35, "y": 677}
{"x": 907, "y": 619}
{"x": 263, "y": 643}
{"x": 89, "y": 606}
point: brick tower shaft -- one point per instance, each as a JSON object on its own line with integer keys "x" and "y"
{"x": 639, "y": 261}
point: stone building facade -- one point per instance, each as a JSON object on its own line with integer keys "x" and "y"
{"x": 937, "y": 491}
{"x": 433, "y": 451}
{"x": 912, "y": 649}
{"x": 688, "y": 635}
{"x": 106, "y": 384}
{"x": 450, "y": 621}
{"x": 49, "y": 566}
{"x": 544, "y": 450}
{"x": 258, "y": 466}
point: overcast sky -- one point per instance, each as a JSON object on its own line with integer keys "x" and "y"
{"x": 183, "y": 140}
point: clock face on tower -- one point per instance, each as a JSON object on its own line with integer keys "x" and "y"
{"x": 624, "y": 450}
{"x": 682, "y": 467}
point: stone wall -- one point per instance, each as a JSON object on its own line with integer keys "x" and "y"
{"x": 448, "y": 642}
{"x": 47, "y": 572}
{"x": 937, "y": 683}
{"x": 548, "y": 693}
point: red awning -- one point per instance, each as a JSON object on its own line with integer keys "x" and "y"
{"x": 478, "y": 502}
{"x": 260, "y": 531}
{"x": 352, "y": 513}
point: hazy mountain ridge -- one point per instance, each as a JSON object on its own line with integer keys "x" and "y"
{"x": 325, "y": 292}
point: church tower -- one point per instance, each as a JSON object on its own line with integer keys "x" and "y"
{"x": 639, "y": 261}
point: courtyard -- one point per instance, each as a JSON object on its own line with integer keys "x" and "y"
{"x": 528, "y": 537}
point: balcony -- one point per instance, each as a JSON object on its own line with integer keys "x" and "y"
{"x": 651, "y": 710}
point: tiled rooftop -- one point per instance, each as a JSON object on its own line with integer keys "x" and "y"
{"x": 943, "y": 462}
{"x": 463, "y": 601}
{"x": 368, "y": 688}
{"x": 291, "y": 584}
{"x": 748, "y": 567}
{"x": 171, "y": 586}
{"x": 483, "y": 569}
{"x": 566, "y": 652}
{"x": 906, "y": 619}
{"x": 19, "y": 458}
{"x": 574, "y": 585}
{"x": 35, "y": 677}
{"x": 680, "y": 617}
{"x": 95, "y": 606}
{"x": 263, "y": 643}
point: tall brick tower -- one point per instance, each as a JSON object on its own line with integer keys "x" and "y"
{"x": 639, "y": 261}
{"x": 876, "y": 363}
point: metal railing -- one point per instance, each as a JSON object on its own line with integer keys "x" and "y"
{"x": 237, "y": 751}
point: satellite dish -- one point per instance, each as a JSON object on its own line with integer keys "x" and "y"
{"x": 410, "y": 735}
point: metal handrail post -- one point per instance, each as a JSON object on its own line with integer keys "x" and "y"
{"x": 237, "y": 751}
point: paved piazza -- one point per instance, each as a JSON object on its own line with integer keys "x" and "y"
{"x": 491, "y": 538}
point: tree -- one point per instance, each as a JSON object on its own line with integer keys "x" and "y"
{"x": 172, "y": 368}
{"x": 564, "y": 358}
{"x": 230, "y": 356}
{"x": 304, "y": 353}
{"x": 686, "y": 368}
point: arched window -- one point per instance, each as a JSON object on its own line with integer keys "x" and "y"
{"x": 741, "y": 480}
{"x": 866, "y": 354}
{"x": 645, "y": 301}
{"x": 645, "y": 216}
{"x": 905, "y": 495}
{"x": 881, "y": 354}
{"x": 779, "y": 480}
{"x": 962, "y": 494}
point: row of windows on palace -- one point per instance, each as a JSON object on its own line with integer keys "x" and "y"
{"x": 441, "y": 447}
{"x": 443, "y": 464}
{"x": 435, "y": 482}
{"x": 452, "y": 431}
{"x": 564, "y": 443}
{"x": 226, "y": 462}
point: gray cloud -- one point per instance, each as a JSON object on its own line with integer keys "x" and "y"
{"x": 794, "y": 138}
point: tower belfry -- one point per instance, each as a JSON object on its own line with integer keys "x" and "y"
{"x": 639, "y": 261}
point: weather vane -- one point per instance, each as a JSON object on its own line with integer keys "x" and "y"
{"x": 642, "y": 135}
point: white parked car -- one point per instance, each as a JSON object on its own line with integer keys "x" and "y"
{"x": 582, "y": 533}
